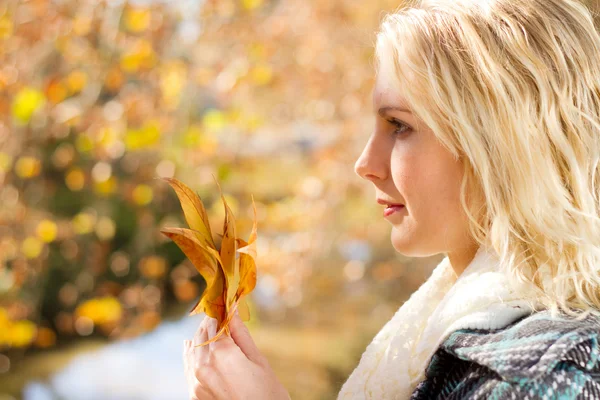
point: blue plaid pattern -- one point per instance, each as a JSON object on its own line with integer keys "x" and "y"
{"x": 536, "y": 357}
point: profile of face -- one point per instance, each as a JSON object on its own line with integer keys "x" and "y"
{"x": 408, "y": 165}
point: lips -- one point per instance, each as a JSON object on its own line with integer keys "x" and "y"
{"x": 391, "y": 210}
{"x": 389, "y": 203}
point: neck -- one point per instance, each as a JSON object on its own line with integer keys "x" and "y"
{"x": 461, "y": 258}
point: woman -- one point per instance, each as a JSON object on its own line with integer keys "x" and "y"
{"x": 486, "y": 149}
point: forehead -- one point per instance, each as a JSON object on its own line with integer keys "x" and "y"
{"x": 386, "y": 92}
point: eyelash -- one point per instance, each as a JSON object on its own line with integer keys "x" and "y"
{"x": 399, "y": 125}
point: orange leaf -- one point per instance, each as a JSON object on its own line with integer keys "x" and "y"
{"x": 244, "y": 310}
{"x": 228, "y": 279}
{"x": 188, "y": 242}
{"x": 224, "y": 327}
{"x": 193, "y": 210}
{"x": 227, "y": 252}
{"x": 248, "y": 260}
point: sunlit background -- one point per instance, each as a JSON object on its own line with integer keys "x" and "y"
{"x": 98, "y": 99}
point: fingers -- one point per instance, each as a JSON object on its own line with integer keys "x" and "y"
{"x": 211, "y": 329}
{"x": 201, "y": 353}
{"x": 241, "y": 336}
{"x": 188, "y": 368}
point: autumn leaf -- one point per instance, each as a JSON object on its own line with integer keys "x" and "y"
{"x": 193, "y": 210}
{"x": 206, "y": 263}
{"x": 228, "y": 279}
{"x": 248, "y": 259}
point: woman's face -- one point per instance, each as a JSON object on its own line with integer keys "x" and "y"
{"x": 408, "y": 165}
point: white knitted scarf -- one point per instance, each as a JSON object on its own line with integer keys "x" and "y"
{"x": 395, "y": 361}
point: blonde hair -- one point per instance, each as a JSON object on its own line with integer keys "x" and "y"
{"x": 513, "y": 88}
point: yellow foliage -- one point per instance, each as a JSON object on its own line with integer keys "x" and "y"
{"x": 76, "y": 81}
{"x": 28, "y": 167}
{"x": 101, "y": 310}
{"x": 142, "y": 55}
{"x": 47, "y": 230}
{"x": 5, "y": 162}
{"x": 137, "y": 19}
{"x": 82, "y": 25}
{"x": 15, "y": 333}
{"x": 214, "y": 120}
{"x": 106, "y": 187}
{"x": 84, "y": 143}
{"x": 228, "y": 277}
{"x": 27, "y": 101}
{"x": 142, "y": 195}
{"x": 21, "y": 333}
{"x": 6, "y": 27}
{"x": 105, "y": 228}
{"x": 172, "y": 81}
{"x": 31, "y": 247}
{"x": 56, "y": 92}
{"x": 261, "y": 74}
{"x": 146, "y": 137}
{"x": 252, "y": 4}
{"x": 75, "y": 179}
{"x": 153, "y": 267}
{"x": 83, "y": 223}
{"x": 4, "y": 320}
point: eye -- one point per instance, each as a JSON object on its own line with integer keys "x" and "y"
{"x": 402, "y": 127}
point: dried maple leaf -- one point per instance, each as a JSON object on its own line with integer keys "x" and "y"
{"x": 228, "y": 280}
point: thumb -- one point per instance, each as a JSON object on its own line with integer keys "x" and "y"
{"x": 241, "y": 336}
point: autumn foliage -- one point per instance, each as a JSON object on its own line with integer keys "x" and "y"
{"x": 228, "y": 277}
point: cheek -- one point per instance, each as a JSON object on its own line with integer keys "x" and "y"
{"x": 431, "y": 189}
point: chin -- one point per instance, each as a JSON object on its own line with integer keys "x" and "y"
{"x": 406, "y": 245}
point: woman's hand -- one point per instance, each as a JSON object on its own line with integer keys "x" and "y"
{"x": 230, "y": 368}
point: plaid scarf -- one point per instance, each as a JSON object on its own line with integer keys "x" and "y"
{"x": 395, "y": 361}
{"x": 536, "y": 357}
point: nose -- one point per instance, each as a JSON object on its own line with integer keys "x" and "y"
{"x": 371, "y": 164}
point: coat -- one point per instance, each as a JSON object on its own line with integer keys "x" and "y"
{"x": 535, "y": 357}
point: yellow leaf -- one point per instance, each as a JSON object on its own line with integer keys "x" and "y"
{"x": 106, "y": 228}
{"x": 146, "y": 137}
{"x": 32, "y": 247}
{"x": 106, "y": 187}
{"x": 248, "y": 259}
{"x": 188, "y": 242}
{"x": 193, "y": 210}
{"x": 77, "y": 81}
{"x": 244, "y": 310}
{"x": 46, "y": 230}
{"x": 227, "y": 252}
{"x": 137, "y": 19}
{"x": 28, "y": 167}
{"x": 75, "y": 179}
{"x": 252, "y": 4}
{"x": 6, "y": 27}
{"x": 83, "y": 223}
{"x": 261, "y": 74}
{"x": 214, "y": 120}
{"x": 100, "y": 310}
{"x": 142, "y": 195}
{"x": 26, "y": 102}
{"x": 22, "y": 333}
{"x": 5, "y": 162}
{"x": 228, "y": 279}
{"x": 153, "y": 267}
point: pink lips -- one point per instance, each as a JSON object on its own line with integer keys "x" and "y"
{"x": 392, "y": 209}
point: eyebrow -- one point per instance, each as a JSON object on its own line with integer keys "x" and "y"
{"x": 384, "y": 110}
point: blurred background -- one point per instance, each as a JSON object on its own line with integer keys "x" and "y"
{"x": 100, "y": 98}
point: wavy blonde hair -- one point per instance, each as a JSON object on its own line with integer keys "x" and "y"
{"x": 513, "y": 88}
